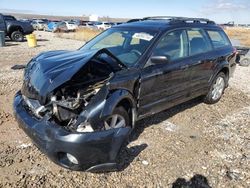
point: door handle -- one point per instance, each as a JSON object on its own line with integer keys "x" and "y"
{"x": 184, "y": 66}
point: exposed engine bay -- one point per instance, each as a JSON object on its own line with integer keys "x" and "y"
{"x": 67, "y": 103}
{"x": 64, "y": 104}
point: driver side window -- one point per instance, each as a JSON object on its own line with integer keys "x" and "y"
{"x": 173, "y": 45}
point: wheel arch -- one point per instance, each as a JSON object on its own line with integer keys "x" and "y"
{"x": 127, "y": 104}
{"x": 224, "y": 67}
{"x": 122, "y": 98}
{"x": 225, "y": 70}
{"x": 13, "y": 28}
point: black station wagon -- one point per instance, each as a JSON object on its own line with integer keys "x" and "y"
{"x": 79, "y": 107}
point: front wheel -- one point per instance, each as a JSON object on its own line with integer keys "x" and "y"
{"x": 118, "y": 119}
{"x": 217, "y": 89}
{"x": 17, "y": 36}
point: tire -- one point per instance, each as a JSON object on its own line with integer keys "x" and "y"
{"x": 218, "y": 86}
{"x": 17, "y": 36}
{"x": 245, "y": 62}
{"x": 122, "y": 115}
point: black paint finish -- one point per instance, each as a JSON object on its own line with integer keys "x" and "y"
{"x": 145, "y": 89}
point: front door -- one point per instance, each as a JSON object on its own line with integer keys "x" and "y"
{"x": 165, "y": 85}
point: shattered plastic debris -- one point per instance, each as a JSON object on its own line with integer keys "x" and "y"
{"x": 23, "y": 146}
{"x": 171, "y": 127}
{"x": 17, "y": 67}
{"x": 144, "y": 162}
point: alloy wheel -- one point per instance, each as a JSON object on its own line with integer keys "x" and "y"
{"x": 218, "y": 88}
{"x": 17, "y": 36}
{"x": 114, "y": 121}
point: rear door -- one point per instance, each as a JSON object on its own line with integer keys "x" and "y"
{"x": 2, "y": 23}
{"x": 224, "y": 51}
{"x": 202, "y": 61}
{"x": 165, "y": 85}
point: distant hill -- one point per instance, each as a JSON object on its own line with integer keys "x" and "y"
{"x": 53, "y": 17}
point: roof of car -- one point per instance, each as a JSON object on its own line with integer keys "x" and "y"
{"x": 162, "y": 23}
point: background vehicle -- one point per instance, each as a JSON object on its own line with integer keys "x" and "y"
{"x": 102, "y": 25}
{"x": 57, "y": 26}
{"x": 39, "y": 24}
{"x": 90, "y": 25}
{"x": 126, "y": 73}
{"x": 14, "y": 29}
{"x": 71, "y": 26}
{"x": 243, "y": 56}
{"x": 26, "y": 20}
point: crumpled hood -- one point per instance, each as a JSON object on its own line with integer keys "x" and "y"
{"x": 51, "y": 69}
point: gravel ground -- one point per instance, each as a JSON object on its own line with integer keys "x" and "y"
{"x": 184, "y": 145}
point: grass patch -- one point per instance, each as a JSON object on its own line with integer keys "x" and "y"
{"x": 241, "y": 34}
{"x": 82, "y": 34}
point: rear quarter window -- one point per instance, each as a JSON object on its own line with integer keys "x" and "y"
{"x": 218, "y": 38}
{"x": 198, "y": 41}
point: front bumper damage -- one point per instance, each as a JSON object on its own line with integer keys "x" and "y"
{"x": 95, "y": 151}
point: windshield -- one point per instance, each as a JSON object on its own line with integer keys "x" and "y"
{"x": 127, "y": 45}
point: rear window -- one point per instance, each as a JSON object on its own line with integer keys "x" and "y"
{"x": 218, "y": 38}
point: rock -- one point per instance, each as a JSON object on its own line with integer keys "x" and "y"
{"x": 170, "y": 126}
{"x": 233, "y": 174}
{"x": 144, "y": 162}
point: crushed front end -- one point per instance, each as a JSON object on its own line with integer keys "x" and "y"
{"x": 60, "y": 108}
{"x": 90, "y": 151}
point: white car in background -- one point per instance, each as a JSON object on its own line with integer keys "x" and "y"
{"x": 39, "y": 24}
{"x": 71, "y": 26}
{"x": 103, "y": 25}
{"x": 89, "y": 25}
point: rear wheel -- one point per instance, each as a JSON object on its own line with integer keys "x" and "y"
{"x": 118, "y": 119}
{"x": 17, "y": 36}
{"x": 217, "y": 89}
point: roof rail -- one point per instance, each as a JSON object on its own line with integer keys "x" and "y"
{"x": 173, "y": 19}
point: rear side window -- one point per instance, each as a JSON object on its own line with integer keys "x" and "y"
{"x": 218, "y": 39}
{"x": 198, "y": 42}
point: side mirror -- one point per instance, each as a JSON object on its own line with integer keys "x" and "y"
{"x": 159, "y": 59}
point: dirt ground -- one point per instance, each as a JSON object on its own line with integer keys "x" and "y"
{"x": 190, "y": 143}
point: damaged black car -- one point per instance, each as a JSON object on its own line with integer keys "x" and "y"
{"x": 79, "y": 107}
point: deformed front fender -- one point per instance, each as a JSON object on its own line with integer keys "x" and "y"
{"x": 114, "y": 99}
{"x": 103, "y": 105}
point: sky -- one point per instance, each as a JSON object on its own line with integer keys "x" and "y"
{"x": 220, "y": 11}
